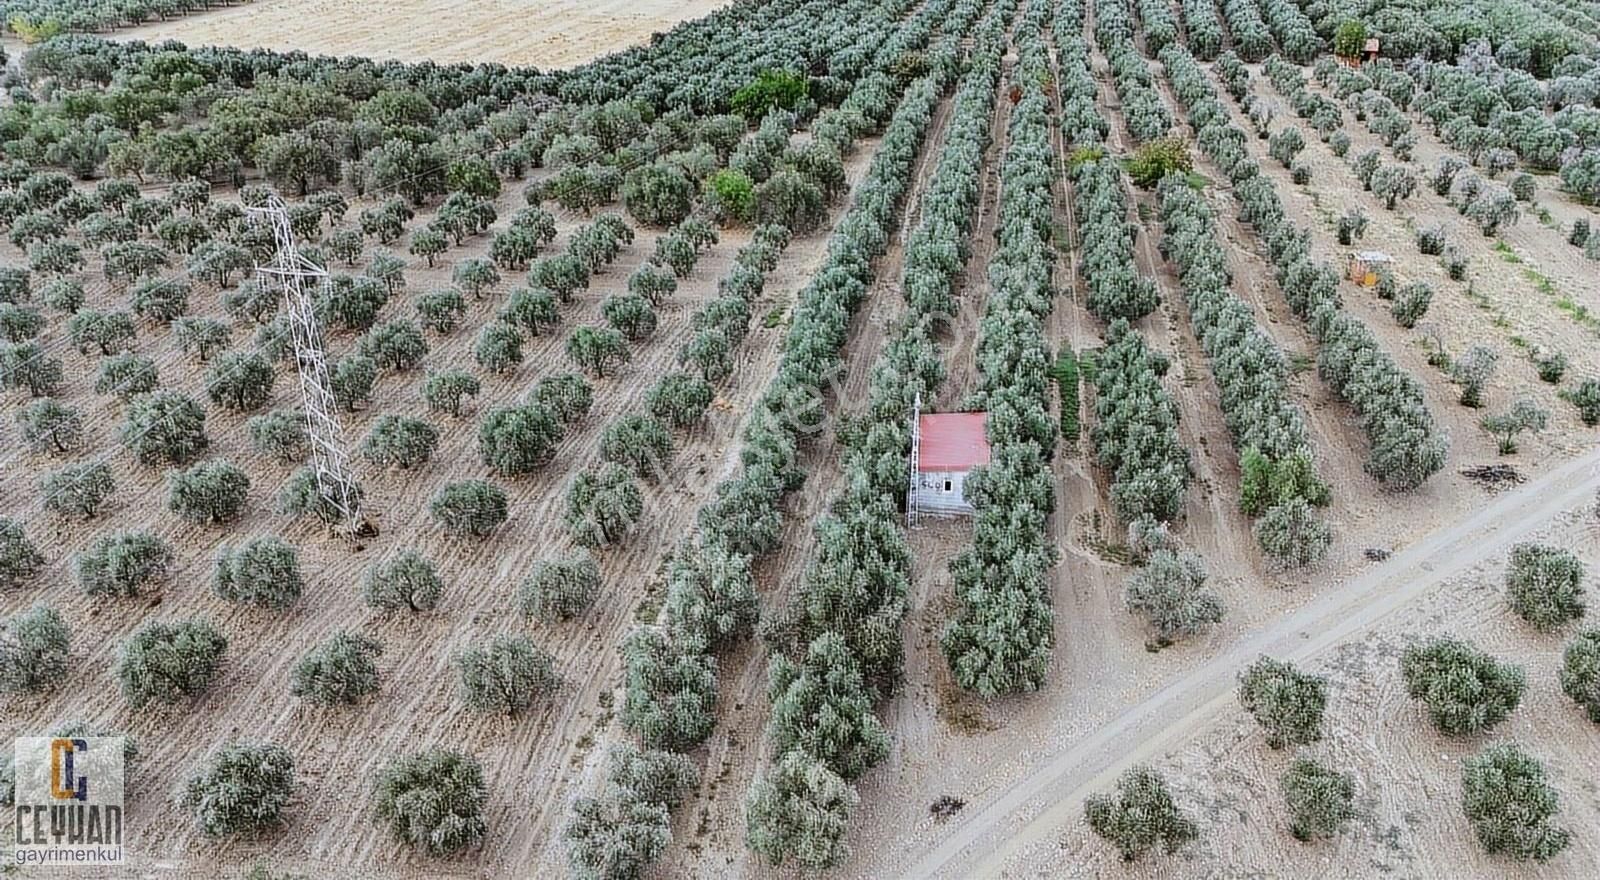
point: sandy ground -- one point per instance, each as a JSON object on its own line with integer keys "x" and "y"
{"x": 541, "y": 33}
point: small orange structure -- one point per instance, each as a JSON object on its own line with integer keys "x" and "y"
{"x": 1364, "y": 265}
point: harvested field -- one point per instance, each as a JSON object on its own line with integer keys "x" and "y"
{"x": 537, "y": 33}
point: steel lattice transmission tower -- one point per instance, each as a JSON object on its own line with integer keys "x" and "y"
{"x": 300, "y": 280}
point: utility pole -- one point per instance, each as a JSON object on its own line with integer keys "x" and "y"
{"x": 299, "y": 278}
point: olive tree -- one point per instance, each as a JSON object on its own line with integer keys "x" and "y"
{"x": 121, "y": 564}
{"x": 165, "y": 662}
{"x": 27, "y": 366}
{"x": 1580, "y": 672}
{"x": 475, "y": 275}
{"x": 351, "y": 380}
{"x": 433, "y": 800}
{"x": 395, "y": 344}
{"x": 209, "y": 492}
{"x": 640, "y": 442}
{"x": 106, "y": 332}
{"x": 262, "y": 571}
{"x": 1524, "y": 415}
{"x": 506, "y": 675}
{"x": 165, "y": 427}
{"x": 1320, "y": 799}
{"x": 441, "y": 310}
{"x": 680, "y": 399}
{"x": 595, "y": 349}
{"x": 127, "y": 376}
{"x": 800, "y": 809}
{"x": 1466, "y": 690}
{"x": 822, "y": 706}
{"x": 670, "y": 689}
{"x": 445, "y": 390}
{"x": 1411, "y": 303}
{"x": 629, "y": 314}
{"x": 49, "y": 425}
{"x": 567, "y": 395}
{"x": 280, "y": 434}
{"x": 78, "y": 489}
{"x": 657, "y": 194}
{"x": 163, "y": 300}
{"x": 622, "y": 831}
{"x": 558, "y": 590}
{"x": 1291, "y": 535}
{"x": 710, "y": 593}
{"x": 400, "y": 441}
{"x": 1171, "y": 591}
{"x": 519, "y": 439}
{"x": 1286, "y": 702}
{"x": 1472, "y": 372}
{"x": 499, "y": 347}
{"x": 341, "y": 670}
{"x": 242, "y": 790}
{"x": 405, "y": 581}
{"x": 200, "y": 338}
{"x": 602, "y": 507}
{"x": 1141, "y": 816}
{"x": 33, "y": 651}
{"x": 653, "y": 283}
{"x": 471, "y": 508}
{"x": 240, "y": 381}
{"x": 1510, "y": 805}
{"x": 19, "y": 558}
{"x": 531, "y": 308}
{"x": 1544, "y": 585}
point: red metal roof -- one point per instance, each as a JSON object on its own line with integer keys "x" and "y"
{"x": 951, "y": 441}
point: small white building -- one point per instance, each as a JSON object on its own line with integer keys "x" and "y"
{"x": 945, "y": 447}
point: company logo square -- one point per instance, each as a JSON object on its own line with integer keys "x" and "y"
{"x": 68, "y": 800}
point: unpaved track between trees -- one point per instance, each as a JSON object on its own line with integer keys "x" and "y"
{"x": 1036, "y": 806}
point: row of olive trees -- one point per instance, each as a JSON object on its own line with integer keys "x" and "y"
{"x": 1278, "y": 479}
{"x": 1406, "y": 447}
{"x": 670, "y": 681}
{"x": 1002, "y": 637}
{"x": 837, "y": 647}
{"x": 1147, "y": 115}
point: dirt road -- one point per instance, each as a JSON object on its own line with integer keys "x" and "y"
{"x": 1032, "y": 808}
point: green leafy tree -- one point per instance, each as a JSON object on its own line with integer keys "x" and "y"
{"x": 1580, "y": 672}
{"x": 670, "y": 689}
{"x": 341, "y": 670}
{"x": 209, "y": 492}
{"x": 165, "y": 427}
{"x": 1545, "y": 585}
{"x": 445, "y": 390}
{"x": 33, "y": 651}
{"x": 441, "y": 310}
{"x": 1349, "y": 38}
{"x": 262, "y": 571}
{"x": 1286, "y": 702}
{"x": 558, "y": 590}
{"x": 505, "y": 676}
{"x": 433, "y": 801}
{"x": 532, "y": 309}
{"x": 240, "y": 381}
{"x": 800, "y": 809}
{"x": 1510, "y": 806}
{"x": 280, "y": 434}
{"x": 602, "y": 507}
{"x": 518, "y": 440}
{"x": 1466, "y": 690}
{"x": 567, "y": 395}
{"x": 243, "y": 789}
{"x": 772, "y": 88}
{"x": 680, "y": 399}
{"x": 1320, "y": 799}
{"x": 1171, "y": 591}
{"x": 406, "y": 581}
{"x": 1141, "y": 816}
{"x": 400, "y": 441}
{"x": 78, "y": 489}
{"x": 50, "y": 426}
{"x": 595, "y": 349}
{"x": 730, "y": 196}
{"x": 499, "y": 347}
{"x": 165, "y": 662}
{"x": 121, "y": 564}
{"x": 472, "y": 508}
{"x": 640, "y": 442}
{"x": 127, "y": 376}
